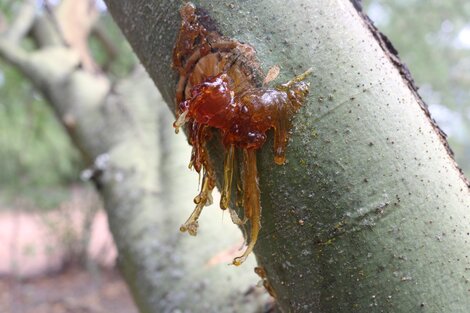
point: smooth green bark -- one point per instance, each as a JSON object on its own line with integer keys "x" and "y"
{"x": 370, "y": 214}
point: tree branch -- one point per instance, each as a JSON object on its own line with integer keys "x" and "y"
{"x": 76, "y": 20}
{"x": 13, "y": 54}
{"x": 22, "y": 22}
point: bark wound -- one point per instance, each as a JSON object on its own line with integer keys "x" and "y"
{"x": 392, "y": 54}
{"x": 221, "y": 87}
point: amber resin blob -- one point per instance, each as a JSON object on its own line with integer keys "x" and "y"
{"x": 222, "y": 88}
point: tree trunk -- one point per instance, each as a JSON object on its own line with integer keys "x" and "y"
{"x": 371, "y": 213}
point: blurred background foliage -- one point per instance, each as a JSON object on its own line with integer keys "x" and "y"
{"x": 38, "y": 162}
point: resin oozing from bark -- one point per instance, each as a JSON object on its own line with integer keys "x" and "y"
{"x": 221, "y": 88}
{"x": 261, "y": 272}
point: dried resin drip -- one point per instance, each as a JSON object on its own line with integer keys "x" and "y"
{"x": 222, "y": 88}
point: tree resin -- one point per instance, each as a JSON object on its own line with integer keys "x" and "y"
{"x": 221, "y": 88}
